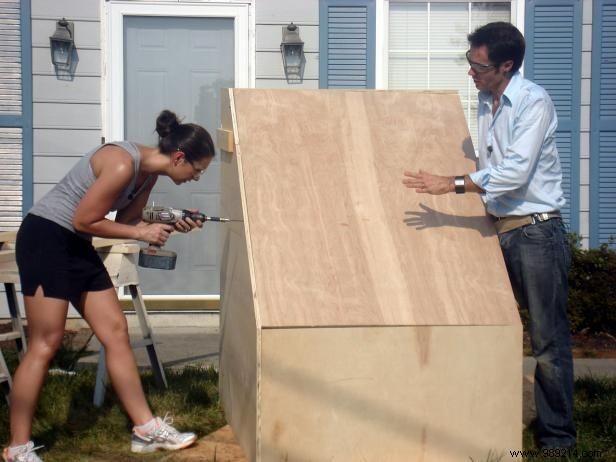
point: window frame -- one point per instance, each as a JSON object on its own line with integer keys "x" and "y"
{"x": 382, "y": 31}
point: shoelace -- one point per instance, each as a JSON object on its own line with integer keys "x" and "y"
{"x": 25, "y": 455}
{"x": 165, "y": 429}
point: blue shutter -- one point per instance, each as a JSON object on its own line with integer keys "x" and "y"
{"x": 346, "y": 43}
{"x": 15, "y": 112}
{"x": 603, "y": 124}
{"x": 553, "y": 31}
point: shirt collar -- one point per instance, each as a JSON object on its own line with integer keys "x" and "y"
{"x": 513, "y": 87}
{"x": 510, "y": 94}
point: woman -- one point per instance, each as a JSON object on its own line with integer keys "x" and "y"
{"x": 58, "y": 264}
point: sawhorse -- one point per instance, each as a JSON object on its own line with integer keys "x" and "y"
{"x": 120, "y": 259}
{"x": 9, "y": 277}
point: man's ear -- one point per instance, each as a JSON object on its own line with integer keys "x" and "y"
{"x": 507, "y": 66}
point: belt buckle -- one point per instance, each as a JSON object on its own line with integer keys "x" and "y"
{"x": 539, "y": 217}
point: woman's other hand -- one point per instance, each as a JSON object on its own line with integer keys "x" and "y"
{"x": 155, "y": 233}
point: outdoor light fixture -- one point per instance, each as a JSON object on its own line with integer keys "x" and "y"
{"x": 62, "y": 44}
{"x": 292, "y": 49}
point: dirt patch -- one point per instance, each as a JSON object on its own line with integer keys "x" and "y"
{"x": 220, "y": 446}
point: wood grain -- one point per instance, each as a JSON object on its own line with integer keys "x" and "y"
{"x": 335, "y": 238}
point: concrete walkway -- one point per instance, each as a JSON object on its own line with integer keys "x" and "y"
{"x": 192, "y": 339}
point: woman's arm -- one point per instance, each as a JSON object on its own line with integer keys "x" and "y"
{"x": 113, "y": 168}
{"x": 131, "y": 214}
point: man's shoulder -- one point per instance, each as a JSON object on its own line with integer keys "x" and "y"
{"x": 529, "y": 86}
{"x": 530, "y": 92}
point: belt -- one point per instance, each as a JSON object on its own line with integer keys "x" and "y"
{"x": 505, "y": 224}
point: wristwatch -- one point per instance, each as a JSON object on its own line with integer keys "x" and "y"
{"x": 458, "y": 183}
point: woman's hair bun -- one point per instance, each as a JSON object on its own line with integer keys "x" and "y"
{"x": 166, "y": 123}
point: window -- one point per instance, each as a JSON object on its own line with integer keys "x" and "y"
{"x": 427, "y": 42}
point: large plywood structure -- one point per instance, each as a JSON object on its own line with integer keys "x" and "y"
{"x": 360, "y": 320}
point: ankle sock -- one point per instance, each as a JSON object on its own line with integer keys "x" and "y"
{"x": 147, "y": 427}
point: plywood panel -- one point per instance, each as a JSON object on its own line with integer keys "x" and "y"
{"x": 335, "y": 238}
{"x": 403, "y": 394}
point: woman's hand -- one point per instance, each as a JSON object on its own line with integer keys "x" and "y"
{"x": 155, "y": 233}
{"x": 188, "y": 224}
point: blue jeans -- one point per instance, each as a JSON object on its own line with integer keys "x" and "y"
{"x": 538, "y": 259}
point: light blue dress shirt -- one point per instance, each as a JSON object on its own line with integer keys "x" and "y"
{"x": 519, "y": 168}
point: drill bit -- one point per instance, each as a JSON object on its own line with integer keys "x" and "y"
{"x": 221, "y": 219}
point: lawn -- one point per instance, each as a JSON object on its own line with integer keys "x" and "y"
{"x": 72, "y": 429}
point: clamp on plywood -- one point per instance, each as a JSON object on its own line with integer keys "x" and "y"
{"x": 224, "y": 139}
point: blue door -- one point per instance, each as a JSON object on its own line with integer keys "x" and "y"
{"x": 180, "y": 63}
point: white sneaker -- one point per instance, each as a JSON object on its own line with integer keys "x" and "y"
{"x": 26, "y": 453}
{"x": 164, "y": 437}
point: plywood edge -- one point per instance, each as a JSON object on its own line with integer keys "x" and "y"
{"x": 239, "y": 334}
{"x": 238, "y": 151}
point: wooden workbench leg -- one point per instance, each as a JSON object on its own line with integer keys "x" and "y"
{"x": 11, "y": 296}
{"x": 146, "y": 332}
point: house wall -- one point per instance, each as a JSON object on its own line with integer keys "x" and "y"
{"x": 271, "y": 16}
{"x": 67, "y": 114}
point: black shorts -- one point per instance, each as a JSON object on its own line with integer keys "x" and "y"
{"x": 60, "y": 261}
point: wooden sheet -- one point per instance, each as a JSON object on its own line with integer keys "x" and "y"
{"x": 335, "y": 239}
{"x": 396, "y": 394}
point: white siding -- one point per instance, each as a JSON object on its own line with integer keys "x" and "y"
{"x": 67, "y": 112}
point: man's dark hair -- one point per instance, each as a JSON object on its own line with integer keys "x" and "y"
{"x": 504, "y": 42}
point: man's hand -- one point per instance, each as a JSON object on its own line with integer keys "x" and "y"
{"x": 424, "y": 182}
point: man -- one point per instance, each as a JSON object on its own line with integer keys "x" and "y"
{"x": 519, "y": 179}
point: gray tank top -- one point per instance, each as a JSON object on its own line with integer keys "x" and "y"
{"x": 60, "y": 203}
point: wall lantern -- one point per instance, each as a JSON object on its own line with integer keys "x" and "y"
{"x": 292, "y": 49}
{"x": 62, "y": 44}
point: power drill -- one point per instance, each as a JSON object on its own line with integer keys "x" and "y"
{"x": 153, "y": 256}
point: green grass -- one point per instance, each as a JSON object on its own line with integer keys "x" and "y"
{"x": 72, "y": 429}
{"x": 595, "y": 418}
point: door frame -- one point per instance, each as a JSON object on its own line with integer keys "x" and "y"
{"x": 113, "y": 47}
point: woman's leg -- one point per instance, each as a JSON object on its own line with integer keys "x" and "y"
{"x": 102, "y": 311}
{"x": 46, "y": 319}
